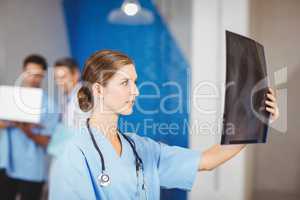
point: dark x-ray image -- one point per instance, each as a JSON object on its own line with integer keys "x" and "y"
{"x": 245, "y": 119}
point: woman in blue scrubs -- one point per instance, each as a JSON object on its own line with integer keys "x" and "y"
{"x": 101, "y": 163}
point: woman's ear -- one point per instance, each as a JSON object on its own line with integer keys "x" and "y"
{"x": 97, "y": 89}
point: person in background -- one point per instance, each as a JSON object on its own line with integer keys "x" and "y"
{"x": 23, "y": 158}
{"x": 3, "y": 155}
{"x": 67, "y": 78}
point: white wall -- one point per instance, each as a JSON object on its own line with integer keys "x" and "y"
{"x": 210, "y": 19}
{"x": 276, "y": 24}
{"x": 31, "y": 26}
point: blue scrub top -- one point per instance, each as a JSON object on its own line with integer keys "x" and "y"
{"x": 74, "y": 174}
{"x": 23, "y": 159}
{"x": 61, "y": 135}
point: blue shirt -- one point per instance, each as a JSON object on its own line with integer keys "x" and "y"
{"x": 74, "y": 174}
{"x": 3, "y": 149}
{"x": 25, "y": 159}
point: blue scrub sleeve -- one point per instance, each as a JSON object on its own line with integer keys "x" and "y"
{"x": 49, "y": 124}
{"x": 177, "y": 166}
{"x": 49, "y": 119}
{"x": 70, "y": 178}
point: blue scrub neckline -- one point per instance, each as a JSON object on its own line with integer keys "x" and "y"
{"x": 101, "y": 139}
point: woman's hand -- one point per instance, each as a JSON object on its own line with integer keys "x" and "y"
{"x": 218, "y": 154}
{"x": 271, "y": 105}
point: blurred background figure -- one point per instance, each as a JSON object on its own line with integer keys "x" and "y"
{"x": 24, "y": 161}
{"x": 67, "y": 79}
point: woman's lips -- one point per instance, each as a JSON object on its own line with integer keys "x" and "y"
{"x": 130, "y": 102}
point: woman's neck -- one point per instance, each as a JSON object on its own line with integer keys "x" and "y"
{"x": 105, "y": 123}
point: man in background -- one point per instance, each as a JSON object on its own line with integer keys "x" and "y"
{"x": 23, "y": 158}
{"x": 67, "y": 78}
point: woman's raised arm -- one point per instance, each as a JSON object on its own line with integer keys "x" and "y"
{"x": 218, "y": 154}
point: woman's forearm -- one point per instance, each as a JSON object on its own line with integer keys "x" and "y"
{"x": 217, "y": 155}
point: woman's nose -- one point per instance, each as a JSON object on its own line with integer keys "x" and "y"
{"x": 135, "y": 90}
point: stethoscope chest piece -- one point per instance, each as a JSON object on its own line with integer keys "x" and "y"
{"x": 104, "y": 179}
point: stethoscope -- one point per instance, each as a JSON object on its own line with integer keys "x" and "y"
{"x": 104, "y": 178}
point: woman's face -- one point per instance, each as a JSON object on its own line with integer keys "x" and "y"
{"x": 118, "y": 96}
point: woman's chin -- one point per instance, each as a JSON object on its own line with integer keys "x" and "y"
{"x": 127, "y": 112}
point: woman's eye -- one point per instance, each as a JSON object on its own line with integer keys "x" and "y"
{"x": 124, "y": 82}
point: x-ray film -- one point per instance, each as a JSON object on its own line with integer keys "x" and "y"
{"x": 245, "y": 119}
